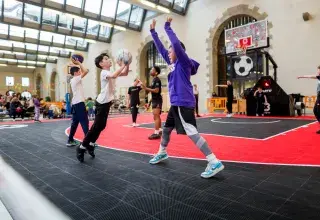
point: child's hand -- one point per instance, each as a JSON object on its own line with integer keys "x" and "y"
{"x": 169, "y": 19}
{"x": 75, "y": 61}
{"x": 153, "y": 24}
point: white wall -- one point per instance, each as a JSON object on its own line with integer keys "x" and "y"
{"x": 294, "y": 45}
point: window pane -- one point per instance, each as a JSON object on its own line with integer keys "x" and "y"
{"x": 9, "y": 81}
{"x": 93, "y": 27}
{"x": 31, "y": 46}
{"x": 109, "y": 8}
{"x": 5, "y": 43}
{"x": 13, "y": 9}
{"x": 18, "y": 44}
{"x": 71, "y": 41}
{"x": 65, "y": 21}
{"x": 45, "y": 36}
{"x": 49, "y": 17}
{"x": 79, "y": 24}
{"x": 58, "y": 1}
{"x": 104, "y": 31}
{"x": 58, "y": 38}
{"x": 75, "y": 3}
{"x": 16, "y": 31}
{"x": 3, "y": 29}
{"x": 181, "y": 3}
{"x": 31, "y": 33}
{"x": 32, "y": 13}
{"x": 43, "y": 48}
{"x": 25, "y": 82}
{"x": 136, "y": 16}
{"x": 93, "y": 7}
{"x": 150, "y": 14}
{"x": 123, "y": 11}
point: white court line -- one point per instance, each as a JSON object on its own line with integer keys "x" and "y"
{"x": 293, "y": 129}
{"x": 192, "y": 158}
{"x": 245, "y": 123}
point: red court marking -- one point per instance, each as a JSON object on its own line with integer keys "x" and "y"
{"x": 298, "y": 147}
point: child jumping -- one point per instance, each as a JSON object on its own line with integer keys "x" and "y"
{"x": 181, "y": 113}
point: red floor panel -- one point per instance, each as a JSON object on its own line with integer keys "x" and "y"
{"x": 299, "y": 146}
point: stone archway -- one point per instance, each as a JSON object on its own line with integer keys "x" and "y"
{"x": 214, "y": 35}
{"x": 142, "y": 60}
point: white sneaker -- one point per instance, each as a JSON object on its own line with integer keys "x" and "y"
{"x": 212, "y": 169}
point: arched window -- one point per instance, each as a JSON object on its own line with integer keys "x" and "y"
{"x": 224, "y": 64}
{"x": 154, "y": 58}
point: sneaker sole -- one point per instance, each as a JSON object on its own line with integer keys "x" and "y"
{"x": 214, "y": 173}
{"x": 159, "y": 160}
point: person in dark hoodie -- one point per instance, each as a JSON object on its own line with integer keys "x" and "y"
{"x": 181, "y": 113}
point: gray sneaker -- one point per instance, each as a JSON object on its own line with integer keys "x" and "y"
{"x": 73, "y": 143}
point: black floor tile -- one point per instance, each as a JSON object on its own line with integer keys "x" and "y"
{"x": 226, "y": 191}
{"x": 122, "y": 212}
{"x": 255, "y": 174}
{"x": 153, "y": 203}
{"x": 237, "y": 211}
{"x": 278, "y": 217}
{"x": 312, "y": 185}
{"x": 262, "y": 201}
{"x": 207, "y": 202}
{"x": 63, "y": 182}
{"x": 290, "y": 181}
{"x": 130, "y": 193}
{"x": 307, "y": 197}
{"x": 301, "y": 172}
{"x": 99, "y": 204}
{"x": 200, "y": 183}
{"x": 56, "y": 198}
{"x": 82, "y": 193}
{"x": 74, "y": 212}
{"x": 298, "y": 211}
{"x": 275, "y": 189}
{"x": 182, "y": 212}
{"x": 242, "y": 181}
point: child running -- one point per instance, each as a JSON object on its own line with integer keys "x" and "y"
{"x": 181, "y": 113}
{"x": 103, "y": 103}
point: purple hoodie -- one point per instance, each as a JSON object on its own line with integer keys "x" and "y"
{"x": 36, "y": 103}
{"x": 180, "y": 87}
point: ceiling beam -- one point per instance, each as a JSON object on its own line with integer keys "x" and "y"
{"x": 155, "y": 9}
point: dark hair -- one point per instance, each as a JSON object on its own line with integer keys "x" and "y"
{"x": 99, "y": 58}
{"x": 319, "y": 67}
{"x": 158, "y": 70}
{"x": 182, "y": 45}
{"x": 74, "y": 69}
{"x": 89, "y": 98}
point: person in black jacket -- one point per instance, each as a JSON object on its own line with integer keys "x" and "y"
{"x": 134, "y": 101}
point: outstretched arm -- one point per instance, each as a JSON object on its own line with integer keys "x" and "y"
{"x": 158, "y": 43}
{"x": 121, "y": 71}
{"x": 176, "y": 45}
{"x": 222, "y": 86}
{"x": 307, "y": 77}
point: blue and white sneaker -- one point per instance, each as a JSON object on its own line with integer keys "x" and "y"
{"x": 158, "y": 158}
{"x": 212, "y": 169}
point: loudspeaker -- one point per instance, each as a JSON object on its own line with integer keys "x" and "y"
{"x": 306, "y": 16}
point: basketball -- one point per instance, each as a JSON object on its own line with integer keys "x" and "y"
{"x": 78, "y": 56}
{"x": 125, "y": 56}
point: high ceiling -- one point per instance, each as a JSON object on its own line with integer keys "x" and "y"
{"x": 36, "y": 32}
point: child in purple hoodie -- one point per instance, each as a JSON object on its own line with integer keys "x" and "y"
{"x": 181, "y": 114}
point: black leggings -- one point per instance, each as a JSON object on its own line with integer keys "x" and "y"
{"x": 260, "y": 108}
{"x": 134, "y": 112}
{"x": 229, "y": 106}
{"x": 99, "y": 124}
{"x": 316, "y": 108}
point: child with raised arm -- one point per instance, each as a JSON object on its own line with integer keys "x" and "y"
{"x": 103, "y": 103}
{"x": 181, "y": 113}
{"x": 316, "y": 108}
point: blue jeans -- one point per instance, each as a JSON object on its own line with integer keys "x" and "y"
{"x": 79, "y": 115}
